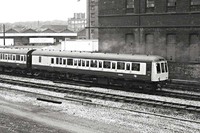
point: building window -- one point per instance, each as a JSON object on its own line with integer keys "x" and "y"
{"x": 195, "y": 5}
{"x": 130, "y": 6}
{"x": 195, "y": 2}
{"x": 171, "y": 3}
{"x": 92, "y": 15}
{"x": 129, "y": 3}
{"x": 150, "y": 4}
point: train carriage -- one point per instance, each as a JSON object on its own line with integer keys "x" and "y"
{"x": 102, "y": 67}
{"x": 15, "y": 59}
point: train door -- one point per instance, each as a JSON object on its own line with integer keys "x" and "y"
{"x": 29, "y": 59}
{"x": 148, "y": 69}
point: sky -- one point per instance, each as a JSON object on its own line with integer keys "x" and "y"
{"x": 39, "y": 10}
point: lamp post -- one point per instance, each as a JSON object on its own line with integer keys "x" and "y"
{"x": 88, "y": 19}
{"x": 4, "y": 42}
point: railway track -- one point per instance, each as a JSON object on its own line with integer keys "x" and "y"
{"x": 56, "y": 99}
{"x": 104, "y": 96}
{"x": 184, "y": 86}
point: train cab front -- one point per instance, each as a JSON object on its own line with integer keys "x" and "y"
{"x": 160, "y": 73}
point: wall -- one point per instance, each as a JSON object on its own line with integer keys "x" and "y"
{"x": 184, "y": 71}
{"x": 151, "y": 31}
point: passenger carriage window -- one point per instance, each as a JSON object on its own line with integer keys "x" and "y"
{"x": 60, "y": 61}
{"x": 40, "y": 59}
{"x": 106, "y": 64}
{"x": 163, "y": 67}
{"x": 52, "y": 60}
{"x": 158, "y": 68}
{"x": 75, "y": 62}
{"x": 113, "y": 65}
{"x": 5, "y": 56}
{"x": 87, "y": 63}
{"x": 79, "y": 62}
{"x": 166, "y": 68}
{"x": 135, "y": 67}
{"x": 18, "y": 57}
{"x": 120, "y": 65}
{"x": 57, "y": 60}
{"x": 93, "y": 63}
{"x": 9, "y": 57}
{"x": 83, "y": 63}
{"x": 100, "y": 64}
{"x": 70, "y": 62}
{"x": 128, "y": 66}
{"x": 64, "y": 61}
{"x": 21, "y": 58}
{"x": 13, "y": 57}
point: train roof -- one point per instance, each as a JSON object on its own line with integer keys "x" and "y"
{"x": 14, "y": 51}
{"x": 99, "y": 56}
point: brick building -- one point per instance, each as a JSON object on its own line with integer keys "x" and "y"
{"x": 170, "y": 28}
{"x": 77, "y": 23}
{"x": 92, "y": 19}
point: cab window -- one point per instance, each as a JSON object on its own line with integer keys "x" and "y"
{"x": 22, "y": 58}
{"x": 163, "y": 67}
{"x": 158, "y": 68}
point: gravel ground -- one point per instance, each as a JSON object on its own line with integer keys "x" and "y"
{"x": 22, "y": 113}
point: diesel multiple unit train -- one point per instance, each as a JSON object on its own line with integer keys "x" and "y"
{"x": 103, "y": 68}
